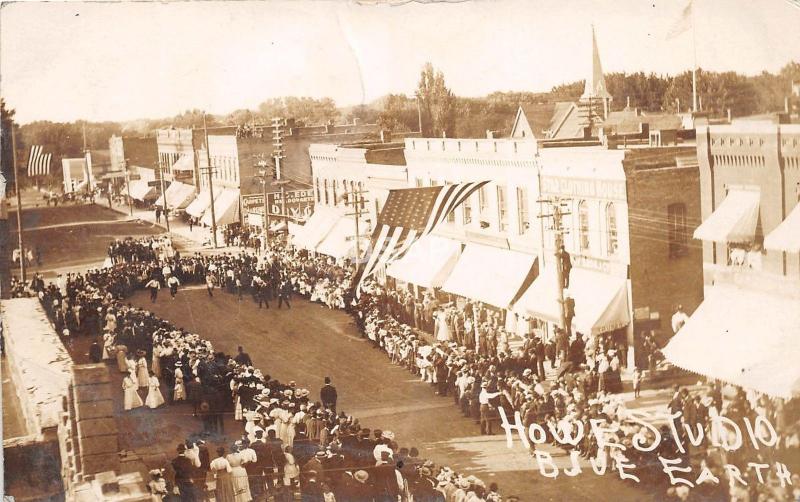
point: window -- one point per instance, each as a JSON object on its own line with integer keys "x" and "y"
{"x": 522, "y": 210}
{"x": 502, "y": 209}
{"x": 611, "y": 229}
{"x": 326, "y": 192}
{"x": 467, "y": 208}
{"x": 583, "y": 224}
{"x": 483, "y": 203}
{"x": 419, "y": 182}
{"x": 317, "y": 188}
{"x": 433, "y": 182}
{"x": 335, "y": 186}
{"x": 678, "y": 237}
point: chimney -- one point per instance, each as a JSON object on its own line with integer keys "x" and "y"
{"x": 729, "y": 115}
{"x": 786, "y": 104}
{"x": 700, "y": 99}
{"x": 356, "y": 121}
{"x": 627, "y": 102}
{"x": 489, "y": 134}
{"x": 678, "y": 104}
{"x": 383, "y": 136}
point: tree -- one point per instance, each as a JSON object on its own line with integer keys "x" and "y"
{"x": 399, "y": 114}
{"x": 437, "y": 103}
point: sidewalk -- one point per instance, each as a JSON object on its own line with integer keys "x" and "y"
{"x": 196, "y": 239}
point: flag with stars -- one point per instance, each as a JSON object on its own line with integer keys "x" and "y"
{"x": 410, "y": 213}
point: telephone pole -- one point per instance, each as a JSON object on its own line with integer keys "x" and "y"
{"x": 355, "y": 198}
{"x": 210, "y": 185}
{"x": 278, "y": 155}
{"x": 22, "y": 274}
{"x": 163, "y": 193}
{"x": 557, "y": 212}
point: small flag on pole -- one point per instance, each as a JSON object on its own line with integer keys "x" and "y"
{"x": 38, "y": 161}
{"x": 682, "y": 24}
{"x": 408, "y": 215}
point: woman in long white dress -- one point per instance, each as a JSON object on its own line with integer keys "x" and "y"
{"x": 221, "y": 469}
{"x": 156, "y": 364}
{"x": 142, "y": 375}
{"x": 108, "y": 345}
{"x": 241, "y": 486}
{"x": 131, "y": 398}
{"x": 180, "y": 388}
{"x": 131, "y": 365}
{"x": 154, "y": 397}
{"x": 442, "y": 328}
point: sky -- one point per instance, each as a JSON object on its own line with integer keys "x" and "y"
{"x": 64, "y": 61}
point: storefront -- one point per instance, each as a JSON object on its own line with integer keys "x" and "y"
{"x": 340, "y": 241}
{"x": 226, "y": 208}
{"x": 316, "y": 228}
{"x": 428, "y": 263}
{"x": 202, "y": 202}
{"x": 178, "y": 195}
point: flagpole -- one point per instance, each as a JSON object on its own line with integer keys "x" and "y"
{"x": 19, "y": 206}
{"x": 694, "y": 66}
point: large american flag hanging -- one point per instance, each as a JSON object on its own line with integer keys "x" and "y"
{"x": 38, "y": 161}
{"x": 410, "y": 213}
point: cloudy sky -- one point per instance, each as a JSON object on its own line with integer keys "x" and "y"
{"x": 64, "y": 61}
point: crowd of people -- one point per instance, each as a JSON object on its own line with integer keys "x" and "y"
{"x": 468, "y": 359}
{"x": 291, "y": 441}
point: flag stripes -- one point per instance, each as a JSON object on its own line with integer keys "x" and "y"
{"x": 38, "y": 161}
{"x": 408, "y": 215}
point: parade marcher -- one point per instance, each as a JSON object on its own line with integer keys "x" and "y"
{"x": 210, "y": 284}
{"x": 184, "y": 475}
{"x": 142, "y": 375}
{"x": 173, "y": 284}
{"x": 154, "y": 397}
{"x": 285, "y": 293}
{"x": 328, "y": 395}
{"x": 131, "y": 396}
{"x": 153, "y": 285}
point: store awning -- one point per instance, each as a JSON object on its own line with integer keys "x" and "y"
{"x": 179, "y": 195}
{"x": 140, "y": 190}
{"x": 318, "y": 225}
{"x": 428, "y": 262}
{"x": 201, "y": 202}
{"x": 744, "y": 338}
{"x": 277, "y": 227}
{"x": 340, "y": 242}
{"x": 255, "y": 220}
{"x": 601, "y": 300}
{"x": 786, "y": 236}
{"x": 226, "y": 208}
{"x": 490, "y": 275}
{"x": 184, "y": 163}
{"x": 734, "y": 221}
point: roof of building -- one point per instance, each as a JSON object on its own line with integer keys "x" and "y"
{"x": 538, "y": 116}
{"x": 630, "y": 120}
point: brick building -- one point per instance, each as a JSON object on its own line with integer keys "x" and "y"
{"x": 750, "y": 237}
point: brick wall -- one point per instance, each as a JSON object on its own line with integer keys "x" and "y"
{"x": 658, "y": 281}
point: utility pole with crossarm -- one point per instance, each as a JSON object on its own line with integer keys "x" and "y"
{"x": 558, "y": 209}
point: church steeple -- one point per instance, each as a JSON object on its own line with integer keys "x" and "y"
{"x": 595, "y": 88}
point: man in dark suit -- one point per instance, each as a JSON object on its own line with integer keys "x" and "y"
{"x": 185, "y": 473}
{"x": 284, "y": 293}
{"x": 328, "y": 395}
{"x": 243, "y": 357}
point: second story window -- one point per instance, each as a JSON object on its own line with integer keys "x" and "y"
{"x": 611, "y": 229}
{"x": 466, "y": 207}
{"x": 502, "y": 208}
{"x": 583, "y": 224}
{"x": 523, "y": 214}
{"x": 326, "y": 191}
{"x": 676, "y": 233}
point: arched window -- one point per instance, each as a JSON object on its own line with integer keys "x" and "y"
{"x": 611, "y": 228}
{"x": 583, "y": 224}
{"x": 335, "y": 185}
{"x": 317, "y": 190}
{"x": 326, "y": 191}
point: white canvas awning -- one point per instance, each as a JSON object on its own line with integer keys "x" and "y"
{"x": 340, "y": 242}
{"x": 601, "y": 300}
{"x": 744, "y": 338}
{"x": 201, "y": 202}
{"x": 490, "y": 275}
{"x": 318, "y": 225}
{"x": 428, "y": 262}
{"x": 226, "y": 208}
{"x": 179, "y": 195}
{"x": 140, "y": 190}
{"x": 184, "y": 163}
{"x": 734, "y": 220}
{"x": 786, "y": 236}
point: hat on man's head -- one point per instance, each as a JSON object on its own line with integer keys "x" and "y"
{"x": 361, "y": 476}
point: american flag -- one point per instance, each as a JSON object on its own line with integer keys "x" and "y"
{"x": 38, "y": 161}
{"x": 410, "y": 213}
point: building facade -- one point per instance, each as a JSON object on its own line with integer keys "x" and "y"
{"x": 750, "y": 237}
